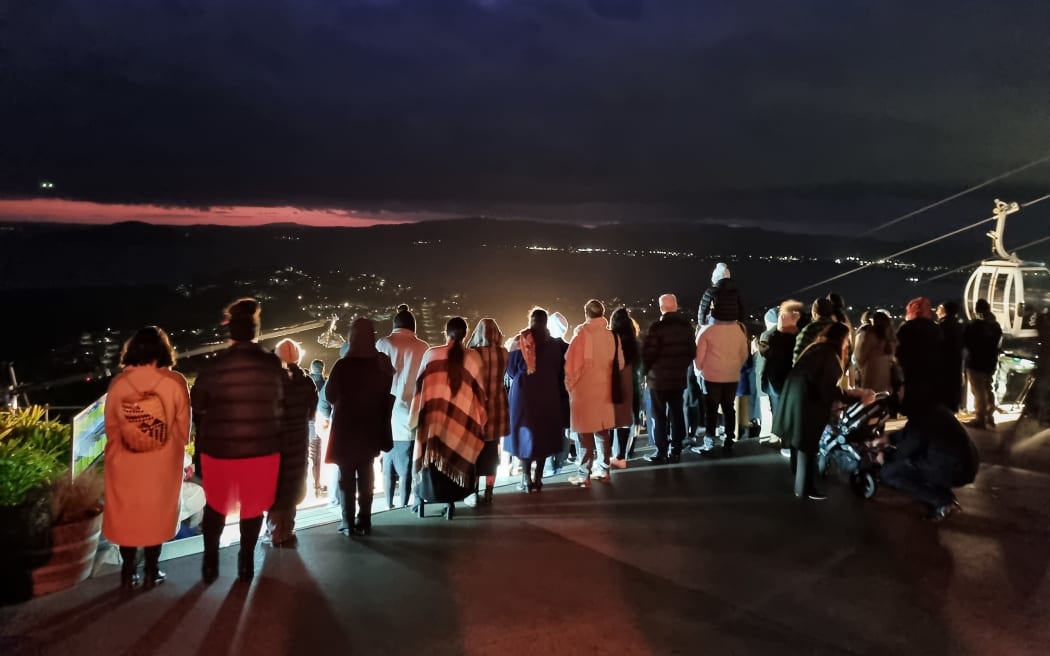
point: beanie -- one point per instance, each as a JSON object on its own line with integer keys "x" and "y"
{"x": 557, "y": 325}
{"x": 771, "y": 318}
{"x": 721, "y": 271}
{"x": 918, "y": 308}
{"x": 289, "y": 351}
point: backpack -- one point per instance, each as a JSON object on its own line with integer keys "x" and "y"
{"x": 144, "y": 422}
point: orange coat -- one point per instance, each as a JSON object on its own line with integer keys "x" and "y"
{"x": 143, "y": 489}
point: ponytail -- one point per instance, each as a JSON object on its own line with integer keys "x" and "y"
{"x": 456, "y": 331}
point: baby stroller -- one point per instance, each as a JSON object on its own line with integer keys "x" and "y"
{"x": 845, "y": 444}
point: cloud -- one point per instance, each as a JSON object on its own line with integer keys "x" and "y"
{"x": 329, "y": 103}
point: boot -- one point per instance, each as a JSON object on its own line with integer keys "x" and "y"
{"x": 246, "y": 557}
{"x": 211, "y": 529}
{"x": 129, "y": 577}
{"x": 487, "y": 498}
{"x": 526, "y": 482}
{"x": 537, "y": 478}
{"x": 153, "y": 575}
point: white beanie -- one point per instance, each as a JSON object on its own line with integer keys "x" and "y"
{"x": 557, "y": 324}
{"x": 771, "y": 318}
{"x": 721, "y": 271}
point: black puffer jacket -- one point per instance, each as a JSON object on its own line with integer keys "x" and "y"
{"x": 723, "y": 302}
{"x": 237, "y": 403}
{"x": 668, "y": 351}
{"x": 300, "y": 403}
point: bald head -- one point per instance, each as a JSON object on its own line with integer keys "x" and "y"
{"x": 668, "y": 303}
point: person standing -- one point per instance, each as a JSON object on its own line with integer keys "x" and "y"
{"x": 721, "y": 350}
{"x": 920, "y": 354}
{"x": 777, "y": 344}
{"x": 874, "y": 351}
{"x": 982, "y": 338}
{"x": 487, "y": 341}
{"x": 667, "y": 354}
{"x": 588, "y": 376}
{"x": 448, "y": 415}
{"x": 627, "y": 410}
{"x": 806, "y": 405}
{"x": 405, "y": 351}
{"x": 559, "y": 326}
{"x": 237, "y": 403}
{"x": 952, "y": 331}
{"x": 144, "y": 479}
{"x": 536, "y": 369}
{"x": 822, "y": 316}
{"x": 300, "y": 403}
{"x": 359, "y": 393}
{"x": 322, "y": 414}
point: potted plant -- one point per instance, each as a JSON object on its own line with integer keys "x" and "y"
{"x": 50, "y": 522}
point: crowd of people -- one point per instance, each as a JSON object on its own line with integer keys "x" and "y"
{"x": 445, "y": 418}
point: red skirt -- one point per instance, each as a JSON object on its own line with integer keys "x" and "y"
{"x": 248, "y": 483}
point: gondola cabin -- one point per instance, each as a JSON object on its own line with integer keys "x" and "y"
{"x": 1016, "y": 291}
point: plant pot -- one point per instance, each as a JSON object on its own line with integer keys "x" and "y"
{"x": 25, "y": 533}
{"x": 72, "y": 556}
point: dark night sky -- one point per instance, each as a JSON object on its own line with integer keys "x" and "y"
{"x": 519, "y": 106}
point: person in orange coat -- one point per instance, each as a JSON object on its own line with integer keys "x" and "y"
{"x": 143, "y": 487}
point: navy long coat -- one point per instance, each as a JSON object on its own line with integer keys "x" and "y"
{"x": 535, "y": 403}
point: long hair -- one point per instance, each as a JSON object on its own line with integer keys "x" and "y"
{"x": 837, "y": 336}
{"x": 456, "y": 331}
{"x": 538, "y": 325}
{"x": 883, "y": 327}
{"x": 486, "y": 333}
{"x": 626, "y": 329}
{"x": 150, "y": 345}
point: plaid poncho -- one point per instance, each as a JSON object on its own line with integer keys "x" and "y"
{"x": 449, "y": 429}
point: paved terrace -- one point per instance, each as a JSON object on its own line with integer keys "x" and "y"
{"x": 700, "y": 558}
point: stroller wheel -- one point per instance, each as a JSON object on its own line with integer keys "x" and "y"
{"x": 863, "y": 484}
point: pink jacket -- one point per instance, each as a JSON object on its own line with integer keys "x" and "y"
{"x": 721, "y": 350}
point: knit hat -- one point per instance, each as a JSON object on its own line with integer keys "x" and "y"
{"x": 918, "y": 308}
{"x": 557, "y": 324}
{"x": 721, "y": 271}
{"x": 771, "y": 318}
{"x": 289, "y": 351}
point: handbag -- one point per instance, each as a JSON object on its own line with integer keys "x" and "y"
{"x": 617, "y": 384}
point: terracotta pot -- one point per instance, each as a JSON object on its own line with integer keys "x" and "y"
{"x": 72, "y": 556}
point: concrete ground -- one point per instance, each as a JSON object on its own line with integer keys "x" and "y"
{"x": 700, "y": 558}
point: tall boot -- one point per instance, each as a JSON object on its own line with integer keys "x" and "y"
{"x": 246, "y": 557}
{"x": 537, "y": 477}
{"x": 211, "y": 529}
{"x": 153, "y": 575}
{"x": 129, "y": 577}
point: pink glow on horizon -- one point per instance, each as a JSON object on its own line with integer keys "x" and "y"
{"x": 53, "y": 210}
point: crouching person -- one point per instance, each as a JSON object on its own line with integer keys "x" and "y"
{"x": 359, "y": 392}
{"x": 934, "y": 454}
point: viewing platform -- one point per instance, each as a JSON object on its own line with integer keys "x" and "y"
{"x": 711, "y": 557}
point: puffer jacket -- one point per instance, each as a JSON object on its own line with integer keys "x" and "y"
{"x": 667, "y": 352}
{"x": 237, "y": 403}
{"x": 300, "y": 402}
{"x": 721, "y": 302}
